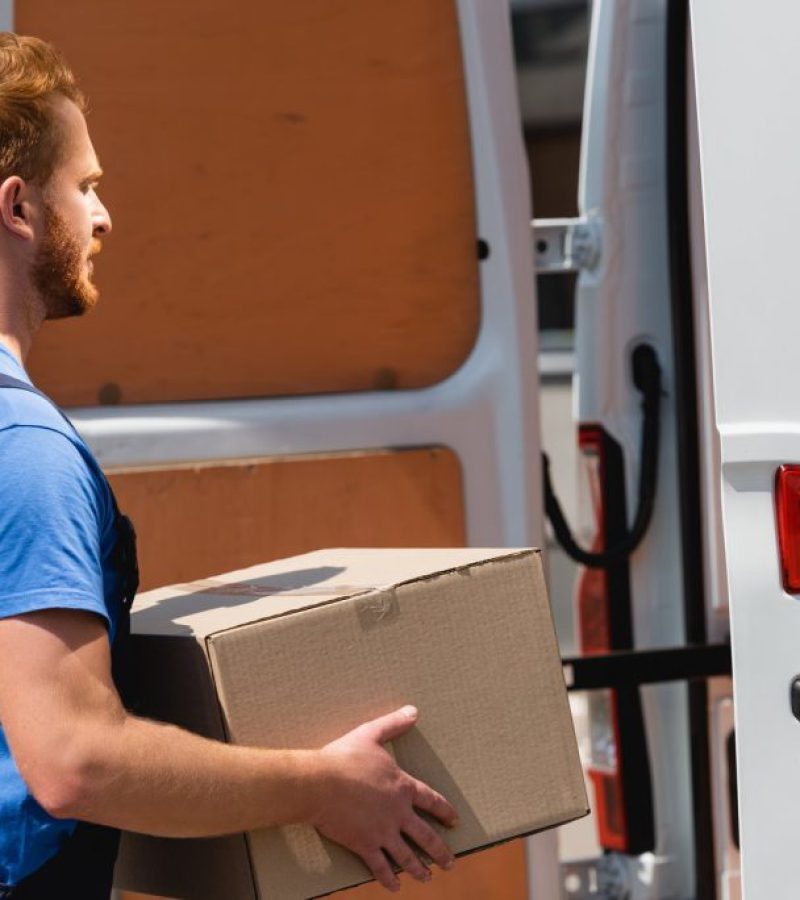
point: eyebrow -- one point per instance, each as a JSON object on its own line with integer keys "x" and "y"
{"x": 94, "y": 175}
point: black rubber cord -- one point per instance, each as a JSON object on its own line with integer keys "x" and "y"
{"x": 647, "y": 380}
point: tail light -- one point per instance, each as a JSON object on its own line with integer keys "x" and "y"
{"x": 619, "y": 766}
{"x": 787, "y": 508}
{"x": 592, "y": 591}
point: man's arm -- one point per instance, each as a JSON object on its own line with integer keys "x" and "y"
{"x": 83, "y": 756}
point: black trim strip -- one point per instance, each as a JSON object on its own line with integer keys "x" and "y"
{"x": 685, "y": 380}
{"x": 635, "y": 667}
{"x": 632, "y": 750}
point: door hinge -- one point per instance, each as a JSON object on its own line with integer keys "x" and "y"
{"x": 566, "y": 245}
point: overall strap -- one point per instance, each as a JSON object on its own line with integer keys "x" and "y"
{"x": 8, "y": 381}
{"x": 84, "y": 865}
{"x": 125, "y": 552}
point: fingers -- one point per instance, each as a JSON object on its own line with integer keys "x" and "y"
{"x": 434, "y": 803}
{"x": 392, "y": 725}
{"x": 378, "y": 864}
{"x": 429, "y": 842}
{"x": 406, "y": 859}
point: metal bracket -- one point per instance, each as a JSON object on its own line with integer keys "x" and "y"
{"x": 579, "y": 879}
{"x": 603, "y": 878}
{"x": 566, "y": 245}
{"x": 632, "y": 667}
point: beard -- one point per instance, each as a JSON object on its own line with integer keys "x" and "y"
{"x": 59, "y": 273}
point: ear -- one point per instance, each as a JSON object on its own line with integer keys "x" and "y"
{"x": 16, "y": 208}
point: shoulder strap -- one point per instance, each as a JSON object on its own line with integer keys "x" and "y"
{"x": 8, "y": 381}
{"x": 125, "y": 549}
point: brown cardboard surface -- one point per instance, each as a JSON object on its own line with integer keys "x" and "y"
{"x": 301, "y": 650}
{"x": 274, "y": 589}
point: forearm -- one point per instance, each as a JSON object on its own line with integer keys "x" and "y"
{"x": 82, "y": 756}
{"x": 158, "y": 779}
{"x": 154, "y": 778}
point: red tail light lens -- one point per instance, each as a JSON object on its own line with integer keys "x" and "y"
{"x": 592, "y": 590}
{"x": 605, "y": 773}
{"x": 787, "y": 507}
{"x": 594, "y": 627}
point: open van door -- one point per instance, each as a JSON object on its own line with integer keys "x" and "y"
{"x": 746, "y": 66}
{"x": 329, "y": 317}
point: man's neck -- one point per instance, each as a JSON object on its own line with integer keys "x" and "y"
{"x": 13, "y": 346}
{"x": 21, "y": 317}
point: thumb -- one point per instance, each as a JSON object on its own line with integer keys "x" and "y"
{"x": 393, "y": 724}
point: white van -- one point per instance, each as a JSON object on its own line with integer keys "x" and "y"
{"x": 688, "y": 185}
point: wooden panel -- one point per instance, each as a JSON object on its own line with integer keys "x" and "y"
{"x": 195, "y": 521}
{"x": 292, "y": 198}
{"x": 496, "y": 874}
{"x": 198, "y": 520}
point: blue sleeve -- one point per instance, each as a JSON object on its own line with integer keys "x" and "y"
{"x": 50, "y": 525}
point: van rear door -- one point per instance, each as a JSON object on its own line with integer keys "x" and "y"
{"x": 746, "y": 67}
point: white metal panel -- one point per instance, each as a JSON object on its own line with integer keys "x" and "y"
{"x": 747, "y": 66}
{"x": 621, "y": 302}
{"x": 720, "y": 690}
{"x": 487, "y": 411}
{"x": 716, "y": 586}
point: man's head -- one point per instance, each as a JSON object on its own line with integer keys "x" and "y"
{"x": 50, "y": 214}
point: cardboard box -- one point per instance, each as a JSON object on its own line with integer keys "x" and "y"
{"x": 294, "y": 653}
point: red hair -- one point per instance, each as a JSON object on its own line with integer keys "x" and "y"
{"x": 32, "y": 74}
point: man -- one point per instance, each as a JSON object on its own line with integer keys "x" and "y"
{"x": 74, "y": 765}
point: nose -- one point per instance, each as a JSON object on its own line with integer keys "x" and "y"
{"x": 101, "y": 220}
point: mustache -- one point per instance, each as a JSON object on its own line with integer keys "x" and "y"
{"x": 95, "y": 247}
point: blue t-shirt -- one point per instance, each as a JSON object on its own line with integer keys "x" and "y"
{"x": 57, "y": 537}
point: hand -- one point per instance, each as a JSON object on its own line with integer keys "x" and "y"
{"x": 368, "y": 803}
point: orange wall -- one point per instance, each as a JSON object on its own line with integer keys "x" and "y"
{"x": 292, "y": 198}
